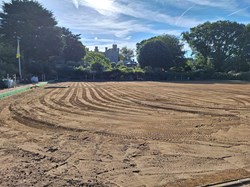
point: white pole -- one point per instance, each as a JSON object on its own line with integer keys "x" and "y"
{"x": 19, "y": 58}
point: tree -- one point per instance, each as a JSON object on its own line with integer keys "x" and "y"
{"x": 160, "y": 52}
{"x": 35, "y": 25}
{"x": 97, "y": 61}
{"x": 244, "y": 51}
{"x": 73, "y": 49}
{"x": 126, "y": 53}
{"x": 8, "y": 61}
{"x": 220, "y": 42}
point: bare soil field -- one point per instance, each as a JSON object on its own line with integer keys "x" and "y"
{"x": 125, "y": 134}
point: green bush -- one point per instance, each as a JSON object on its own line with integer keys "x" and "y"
{"x": 2, "y": 85}
{"x": 243, "y": 76}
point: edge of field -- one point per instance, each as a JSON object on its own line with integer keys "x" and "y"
{"x": 20, "y": 90}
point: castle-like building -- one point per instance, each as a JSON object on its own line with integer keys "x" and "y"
{"x": 112, "y": 54}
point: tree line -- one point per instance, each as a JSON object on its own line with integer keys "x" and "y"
{"x": 222, "y": 46}
{"x": 220, "y": 50}
{"x": 42, "y": 41}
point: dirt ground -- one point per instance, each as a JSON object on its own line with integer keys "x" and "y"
{"x": 125, "y": 134}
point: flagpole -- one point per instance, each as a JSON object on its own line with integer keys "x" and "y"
{"x": 19, "y": 57}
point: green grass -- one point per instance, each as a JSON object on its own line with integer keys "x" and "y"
{"x": 20, "y": 90}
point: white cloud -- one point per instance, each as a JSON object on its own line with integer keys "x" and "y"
{"x": 222, "y": 4}
{"x": 237, "y": 11}
{"x": 99, "y": 28}
{"x": 106, "y": 26}
{"x": 128, "y": 38}
{"x": 76, "y": 3}
{"x": 185, "y": 12}
{"x": 134, "y": 9}
{"x": 102, "y": 21}
{"x": 104, "y": 7}
{"x": 122, "y": 30}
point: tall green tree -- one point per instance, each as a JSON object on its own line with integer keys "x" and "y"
{"x": 221, "y": 42}
{"x": 244, "y": 51}
{"x": 35, "y": 25}
{"x": 97, "y": 62}
{"x": 73, "y": 49}
{"x": 8, "y": 61}
{"x": 163, "y": 51}
{"x": 126, "y": 53}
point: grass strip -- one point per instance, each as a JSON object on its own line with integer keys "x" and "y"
{"x": 20, "y": 90}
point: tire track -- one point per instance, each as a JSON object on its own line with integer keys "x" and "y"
{"x": 82, "y": 99}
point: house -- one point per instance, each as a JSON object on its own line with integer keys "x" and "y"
{"x": 130, "y": 63}
{"x": 112, "y": 54}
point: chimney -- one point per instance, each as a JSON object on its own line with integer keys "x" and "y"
{"x": 114, "y": 46}
{"x": 96, "y": 49}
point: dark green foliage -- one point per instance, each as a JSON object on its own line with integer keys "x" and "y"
{"x": 244, "y": 76}
{"x": 35, "y": 25}
{"x": 73, "y": 49}
{"x": 225, "y": 43}
{"x": 126, "y": 54}
{"x": 199, "y": 63}
{"x": 160, "y": 52}
{"x": 97, "y": 62}
{"x": 97, "y": 67}
{"x": 2, "y": 85}
{"x": 42, "y": 42}
{"x": 8, "y": 61}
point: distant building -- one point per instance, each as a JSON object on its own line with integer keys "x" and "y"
{"x": 130, "y": 63}
{"x": 112, "y": 54}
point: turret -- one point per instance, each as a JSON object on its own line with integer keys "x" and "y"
{"x": 96, "y": 49}
{"x": 115, "y": 47}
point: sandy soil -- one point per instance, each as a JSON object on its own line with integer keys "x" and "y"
{"x": 125, "y": 134}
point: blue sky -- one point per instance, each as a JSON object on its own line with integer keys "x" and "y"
{"x": 126, "y": 22}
